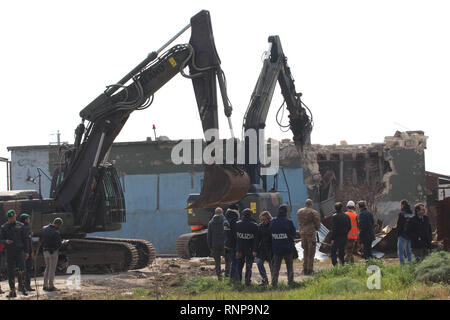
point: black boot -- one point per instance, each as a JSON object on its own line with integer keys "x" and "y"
{"x": 22, "y": 283}
{"x": 12, "y": 294}
{"x": 28, "y": 287}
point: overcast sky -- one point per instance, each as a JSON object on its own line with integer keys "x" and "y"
{"x": 365, "y": 68}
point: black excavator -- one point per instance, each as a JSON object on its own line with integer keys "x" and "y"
{"x": 86, "y": 191}
{"x": 201, "y": 206}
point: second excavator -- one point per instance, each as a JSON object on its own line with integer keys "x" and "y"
{"x": 201, "y": 206}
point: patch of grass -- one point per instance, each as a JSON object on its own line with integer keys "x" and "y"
{"x": 435, "y": 268}
{"x": 341, "y": 282}
{"x": 345, "y": 285}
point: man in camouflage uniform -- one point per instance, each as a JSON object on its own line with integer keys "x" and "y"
{"x": 309, "y": 224}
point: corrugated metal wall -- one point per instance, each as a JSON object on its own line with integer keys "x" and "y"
{"x": 161, "y": 220}
{"x": 155, "y": 201}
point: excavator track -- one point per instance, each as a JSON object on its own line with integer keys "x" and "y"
{"x": 146, "y": 251}
{"x": 192, "y": 245}
{"x": 92, "y": 253}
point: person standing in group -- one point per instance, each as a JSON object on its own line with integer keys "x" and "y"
{"x": 231, "y": 217}
{"x": 282, "y": 230}
{"x": 14, "y": 237}
{"x": 309, "y": 224}
{"x": 246, "y": 233}
{"x": 264, "y": 246}
{"x": 352, "y": 237}
{"x": 366, "y": 231}
{"x": 216, "y": 239}
{"x": 51, "y": 242}
{"x": 340, "y": 227}
{"x": 420, "y": 231}
{"x": 25, "y": 219}
{"x": 403, "y": 240}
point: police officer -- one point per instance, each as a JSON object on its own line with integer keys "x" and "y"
{"x": 283, "y": 233}
{"x": 25, "y": 219}
{"x": 246, "y": 232}
{"x": 229, "y": 225}
{"x": 14, "y": 235}
{"x": 264, "y": 246}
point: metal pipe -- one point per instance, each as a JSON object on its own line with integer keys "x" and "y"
{"x": 10, "y": 176}
{"x": 173, "y": 38}
{"x": 7, "y": 175}
{"x": 151, "y": 56}
{"x": 231, "y": 127}
{"x": 100, "y": 145}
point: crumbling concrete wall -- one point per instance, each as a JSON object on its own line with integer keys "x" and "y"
{"x": 405, "y": 152}
{"x": 381, "y": 173}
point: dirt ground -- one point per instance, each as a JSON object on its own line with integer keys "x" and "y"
{"x": 163, "y": 274}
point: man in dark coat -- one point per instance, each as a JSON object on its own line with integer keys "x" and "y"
{"x": 246, "y": 232}
{"x": 25, "y": 219}
{"x": 231, "y": 217}
{"x": 14, "y": 237}
{"x": 340, "y": 227}
{"x": 366, "y": 231}
{"x": 216, "y": 239}
{"x": 283, "y": 233}
{"x": 420, "y": 232}
{"x": 264, "y": 246}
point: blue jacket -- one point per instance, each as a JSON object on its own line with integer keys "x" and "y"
{"x": 229, "y": 226}
{"x": 246, "y": 234}
{"x": 283, "y": 233}
{"x": 50, "y": 238}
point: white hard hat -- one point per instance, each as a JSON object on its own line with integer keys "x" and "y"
{"x": 350, "y": 204}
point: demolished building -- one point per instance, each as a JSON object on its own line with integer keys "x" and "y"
{"x": 383, "y": 174}
{"x": 156, "y": 189}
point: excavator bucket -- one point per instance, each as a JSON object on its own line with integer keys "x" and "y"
{"x": 222, "y": 185}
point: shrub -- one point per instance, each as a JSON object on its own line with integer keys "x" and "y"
{"x": 434, "y": 268}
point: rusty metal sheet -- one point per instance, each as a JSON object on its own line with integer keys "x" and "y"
{"x": 222, "y": 185}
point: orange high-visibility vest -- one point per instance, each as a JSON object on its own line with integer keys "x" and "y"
{"x": 354, "y": 231}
